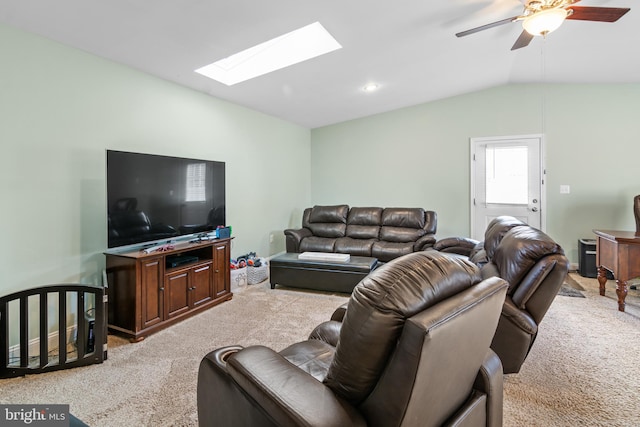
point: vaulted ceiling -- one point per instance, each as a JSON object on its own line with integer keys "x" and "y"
{"x": 407, "y": 47}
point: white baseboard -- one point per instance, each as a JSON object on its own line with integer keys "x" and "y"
{"x": 34, "y": 343}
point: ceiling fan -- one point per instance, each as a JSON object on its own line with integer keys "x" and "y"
{"x": 540, "y": 17}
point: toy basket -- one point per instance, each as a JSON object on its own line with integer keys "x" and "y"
{"x": 238, "y": 278}
{"x": 257, "y": 275}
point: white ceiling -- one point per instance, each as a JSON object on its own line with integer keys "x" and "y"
{"x": 408, "y": 47}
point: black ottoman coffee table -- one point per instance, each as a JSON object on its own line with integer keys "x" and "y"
{"x": 333, "y": 276}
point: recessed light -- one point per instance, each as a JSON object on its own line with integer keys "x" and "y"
{"x": 288, "y": 49}
{"x": 371, "y": 87}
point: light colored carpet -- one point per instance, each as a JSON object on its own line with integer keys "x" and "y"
{"x": 581, "y": 370}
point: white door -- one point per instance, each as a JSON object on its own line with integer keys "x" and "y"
{"x": 507, "y": 178}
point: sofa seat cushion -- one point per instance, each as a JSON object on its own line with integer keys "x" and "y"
{"x": 317, "y": 244}
{"x": 386, "y": 251}
{"x": 357, "y": 247}
{"x": 312, "y": 356}
{"x": 401, "y": 234}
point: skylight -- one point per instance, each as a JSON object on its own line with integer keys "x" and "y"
{"x": 288, "y": 49}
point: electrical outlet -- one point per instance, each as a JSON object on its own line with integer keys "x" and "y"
{"x": 271, "y": 238}
{"x": 565, "y": 189}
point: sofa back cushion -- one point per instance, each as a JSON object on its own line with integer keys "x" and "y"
{"x": 365, "y": 216}
{"x": 378, "y": 309}
{"x": 520, "y": 249}
{"x": 328, "y": 221}
{"x": 402, "y": 225}
{"x": 403, "y": 217}
{"x": 364, "y": 223}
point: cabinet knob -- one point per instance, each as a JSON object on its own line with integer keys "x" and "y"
{"x": 161, "y": 289}
{"x": 217, "y": 271}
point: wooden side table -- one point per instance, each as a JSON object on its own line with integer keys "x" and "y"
{"x": 618, "y": 252}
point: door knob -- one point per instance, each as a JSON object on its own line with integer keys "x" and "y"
{"x": 534, "y": 209}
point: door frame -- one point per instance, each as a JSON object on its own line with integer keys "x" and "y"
{"x": 543, "y": 174}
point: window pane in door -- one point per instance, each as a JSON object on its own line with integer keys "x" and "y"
{"x": 507, "y": 181}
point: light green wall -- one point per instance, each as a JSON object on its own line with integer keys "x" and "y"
{"x": 419, "y": 156}
{"x": 62, "y": 108}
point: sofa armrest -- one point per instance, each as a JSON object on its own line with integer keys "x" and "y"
{"x": 490, "y": 382}
{"x": 293, "y": 237}
{"x": 425, "y": 242}
{"x": 456, "y": 245}
{"x": 275, "y": 384}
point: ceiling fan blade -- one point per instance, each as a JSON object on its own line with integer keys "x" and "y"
{"x": 523, "y": 41}
{"x": 487, "y": 26}
{"x": 600, "y": 14}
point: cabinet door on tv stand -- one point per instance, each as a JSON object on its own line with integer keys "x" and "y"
{"x": 177, "y": 289}
{"x": 201, "y": 284}
{"x": 221, "y": 258}
{"x": 152, "y": 302}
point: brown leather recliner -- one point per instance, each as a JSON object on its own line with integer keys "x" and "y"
{"x": 412, "y": 350}
{"x": 535, "y": 267}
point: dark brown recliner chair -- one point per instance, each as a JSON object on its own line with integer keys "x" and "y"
{"x": 535, "y": 267}
{"x": 412, "y": 350}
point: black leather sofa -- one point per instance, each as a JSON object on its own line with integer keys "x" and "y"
{"x": 412, "y": 350}
{"x": 535, "y": 267}
{"x": 382, "y": 233}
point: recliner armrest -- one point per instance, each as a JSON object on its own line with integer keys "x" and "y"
{"x": 424, "y": 242}
{"x": 328, "y": 332}
{"x": 275, "y": 384}
{"x": 339, "y": 313}
{"x": 456, "y": 245}
{"x": 519, "y": 317}
{"x": 490, "y": 382}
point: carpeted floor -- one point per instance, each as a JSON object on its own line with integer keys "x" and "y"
{"x": 581, "y": 370}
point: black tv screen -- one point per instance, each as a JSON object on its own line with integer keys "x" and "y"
{"x": 153, "y": 198}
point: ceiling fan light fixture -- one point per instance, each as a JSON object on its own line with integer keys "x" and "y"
{"x": 544, "y": 22}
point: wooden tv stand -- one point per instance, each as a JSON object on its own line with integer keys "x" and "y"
{"x": 147, "y": 294}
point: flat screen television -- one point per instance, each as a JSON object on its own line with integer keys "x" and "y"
{"x": 155, "y": 199}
